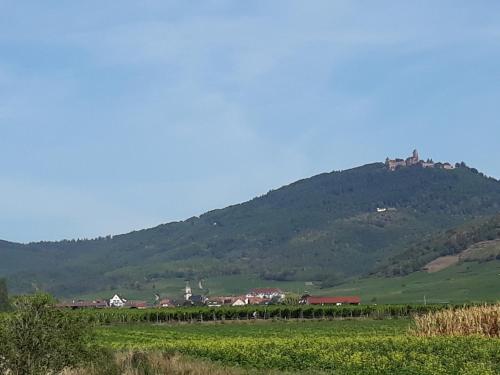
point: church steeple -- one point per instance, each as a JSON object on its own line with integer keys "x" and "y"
{"x": 187, "y": 292}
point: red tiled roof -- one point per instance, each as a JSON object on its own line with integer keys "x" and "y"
{"x": 333, "y": 300}
{"x": 136, "y": 304}
{"x": 257, "y": 300}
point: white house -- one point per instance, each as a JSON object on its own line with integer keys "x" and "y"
{"x": 117, "y": 301}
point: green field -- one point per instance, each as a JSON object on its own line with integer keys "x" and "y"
{"x": 466, "y": 282}
{"x": 336, "y": 347}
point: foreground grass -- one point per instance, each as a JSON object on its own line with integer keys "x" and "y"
{"x": 154, "y": 363}
{"x": 161, "y": 363}
{"x": 339, "y": 347}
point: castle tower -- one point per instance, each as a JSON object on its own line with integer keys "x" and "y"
{"x": 415, "y": 155}
{"x": 187, "y": 292}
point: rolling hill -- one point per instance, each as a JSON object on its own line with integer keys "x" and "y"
{"x": 325, "y": 229}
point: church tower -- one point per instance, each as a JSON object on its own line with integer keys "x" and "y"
{"x": 187, "y": 293}
{"x": 415, "y": 156}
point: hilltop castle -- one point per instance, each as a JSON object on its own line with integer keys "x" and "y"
{"x": 414, "y": 160}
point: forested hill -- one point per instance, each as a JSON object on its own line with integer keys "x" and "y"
{"x": 325, "y": 228}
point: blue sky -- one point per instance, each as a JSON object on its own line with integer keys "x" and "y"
{"x": 120, "y": 115}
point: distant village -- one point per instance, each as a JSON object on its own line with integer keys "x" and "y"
{"x": 258, "y": 296}
{"x": 415, "y": 161}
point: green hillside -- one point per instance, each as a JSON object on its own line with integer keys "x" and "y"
{"x": 478, "y": 236}
{"x": 464, "y": 282}
{"x": 324, "y": 229}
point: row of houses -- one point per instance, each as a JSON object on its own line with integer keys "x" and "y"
{"x": 304, "y": 300}
{"x": 116, "y": 301}
{"x": 258, "y": 296}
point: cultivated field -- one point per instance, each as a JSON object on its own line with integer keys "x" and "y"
{"x": 354, "y": 346}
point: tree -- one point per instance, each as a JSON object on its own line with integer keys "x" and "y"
{"x": 37, "y": 338}
{"x": 291, "y": 299}
{"x": 4, "y": 296}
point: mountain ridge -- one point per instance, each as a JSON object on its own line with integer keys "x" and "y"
{"x": 324, "y": 228}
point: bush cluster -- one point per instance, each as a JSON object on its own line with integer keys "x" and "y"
{"x": 36, "y": 338}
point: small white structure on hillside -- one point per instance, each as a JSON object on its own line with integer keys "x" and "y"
{"x": 117, "y": 301}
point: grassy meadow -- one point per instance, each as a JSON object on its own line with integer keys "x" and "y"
{"x": 465, "y": 282}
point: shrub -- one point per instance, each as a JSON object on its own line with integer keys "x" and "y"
{"x": 39, "y": 339}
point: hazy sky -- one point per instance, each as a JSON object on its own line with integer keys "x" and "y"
{"x": 120, "y": 115}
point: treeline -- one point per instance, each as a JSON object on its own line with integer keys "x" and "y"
{"x": 450, "y": 242}
{"x": 201, "y": 314}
